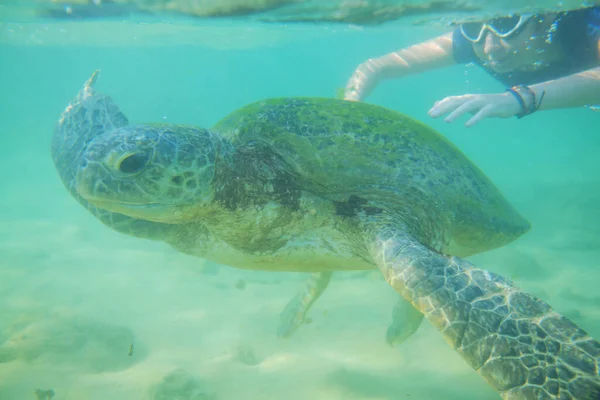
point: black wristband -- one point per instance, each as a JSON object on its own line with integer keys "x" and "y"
{"x": 533, "y": 107}
{"x": 520, "y": 100}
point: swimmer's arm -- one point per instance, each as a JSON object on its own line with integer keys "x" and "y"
{"x": 432, "y": 54}
{"x": 577, "y": 90}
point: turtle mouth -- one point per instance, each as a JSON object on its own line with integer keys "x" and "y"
{"x": 134, "y": 206}
{"x": 155, "y": 212}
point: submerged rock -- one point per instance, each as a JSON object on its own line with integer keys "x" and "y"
{"x": 246, "y": 355}
{"x": 181, "y": 385}
{"x": 90, "y": 346}
{"x": 41, "y": 394}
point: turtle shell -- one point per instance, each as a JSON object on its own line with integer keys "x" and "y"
{"x": 365, "y": 155}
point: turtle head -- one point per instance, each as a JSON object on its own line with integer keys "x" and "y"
{"x": 160, "y": 173}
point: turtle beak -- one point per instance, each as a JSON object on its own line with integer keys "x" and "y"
{"x": 81, "y": 186}
{"x": 86, "y": 185}
{"x": 89, "y": 185}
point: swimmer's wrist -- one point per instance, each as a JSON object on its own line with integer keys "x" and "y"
{"x": 515, "y": 100}
{"x": 527, "y": 99}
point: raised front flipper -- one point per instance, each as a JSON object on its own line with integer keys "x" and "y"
{"x": 406, "y": 319}
{"x": 88, "y": 115}
{"x": 514, "y": 340}
{"x": 294, "y": 313}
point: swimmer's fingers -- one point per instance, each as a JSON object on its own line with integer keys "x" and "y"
{"x": 471, "y": 106}
{"x": 484, "y": 113}
{"x": 449, "y": 104}
{"x": 482, "y": 106}
{"x": 351, "y": 95}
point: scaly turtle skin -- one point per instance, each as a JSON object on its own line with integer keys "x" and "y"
{"x": 317, "y": 185}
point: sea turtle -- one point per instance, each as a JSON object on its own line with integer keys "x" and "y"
{"x": 317, "y": 185}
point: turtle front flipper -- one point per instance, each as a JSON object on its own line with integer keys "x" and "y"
{"x": 88, "y": 115}
{"x": 294, "y": 313}
{"x": 405, "y": 321}
{"x": 514, "y": 340}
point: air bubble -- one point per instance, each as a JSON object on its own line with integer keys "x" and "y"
{"x": 552, "y": 32}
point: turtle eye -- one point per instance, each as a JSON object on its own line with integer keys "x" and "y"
{"x": 133, "y": 163}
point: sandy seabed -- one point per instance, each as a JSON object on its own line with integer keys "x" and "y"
{"x": 92, "y": 314}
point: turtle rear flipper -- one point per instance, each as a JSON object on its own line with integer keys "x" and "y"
{"x": 405, "y": 322}
{"x": 515, "y": 341}
{"x": 405, "y": 318}
{"x": 294, "y": 313}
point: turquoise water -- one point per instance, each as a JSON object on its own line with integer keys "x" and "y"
{"x": 74, "y": 295}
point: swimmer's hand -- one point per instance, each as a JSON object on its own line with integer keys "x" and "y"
{"x": 503, "y": 105}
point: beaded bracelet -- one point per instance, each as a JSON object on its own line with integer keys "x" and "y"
{"x": 533, "y": 107}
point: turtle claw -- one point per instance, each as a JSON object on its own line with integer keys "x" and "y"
{"x": 92, "y": 81}
{"x": 405, "y": 321}
{"x": 88, "y": 87}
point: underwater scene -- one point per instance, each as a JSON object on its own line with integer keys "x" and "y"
{"x": 206, "y": 200}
